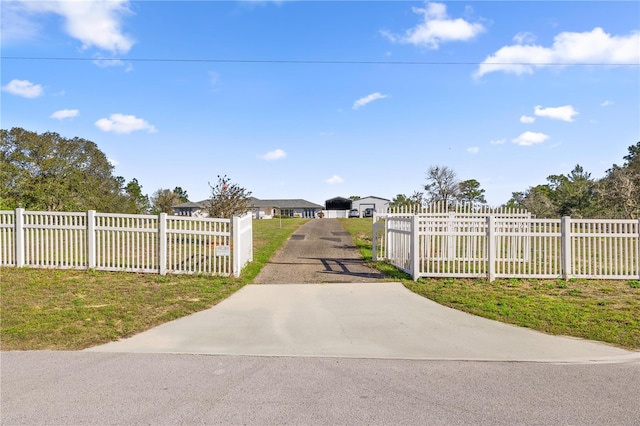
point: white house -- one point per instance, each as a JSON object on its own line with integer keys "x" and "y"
{"x": 376, "y": 203}
{"x": 259, "y": 208}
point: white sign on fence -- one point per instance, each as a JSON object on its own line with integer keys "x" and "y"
{"x": 222, "y": 251}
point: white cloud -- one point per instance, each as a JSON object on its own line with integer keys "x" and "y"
{"x": 606, "y": 103}
{"x": 113, "y": 161}
{"x": 527, "y": 119}
{"x": 23, "y": 88}
{"x": 108, "y": 63}
{"x": 530, "y": 138}
{"x": 95, "y": 23}
{"x": 498, "y": 142}
{"x": 368, "y": 99}
{"x": 524, "y": 38}
{"x": 65, "y": 113}
{"x": 569, "y": 48}
{"x": 473, "y": 150}
{"x": 14, "y": 25}
{"x": 436, "y": 28}
{"x": 334, "y": 179}
{"x": 276, "y": 154}
{"x": 564, "y": 113}
{"x": 120, "y": 123}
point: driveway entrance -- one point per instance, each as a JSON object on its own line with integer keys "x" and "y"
{"x": 320, "y": 251}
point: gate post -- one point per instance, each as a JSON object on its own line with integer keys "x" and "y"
{"x": 415, "y": 244}
{"x": 19, "y": 237}
{"x": 235, "y": 238}
{"x": 91, "y": 239}
{"x": 491, "y": 248}
{"x": 162, "y": 244}
{"x": 565, "y": 241}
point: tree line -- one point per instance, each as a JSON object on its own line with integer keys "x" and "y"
{"x": 576, "y": 194}
{"x": 48, "y": 172}
{"x": 52, "y": 173}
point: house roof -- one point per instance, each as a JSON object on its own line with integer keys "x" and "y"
{"x": 255, "y": 202}
{"x": 371, "y": 196}
{"x": 192, "y": 205}
{"x": 339, "y": 199}
{"x": 284, "y": 203}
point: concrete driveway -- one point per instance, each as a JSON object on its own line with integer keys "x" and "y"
{"x": 356, "y": 320}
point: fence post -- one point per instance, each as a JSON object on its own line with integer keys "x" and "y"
{"x": 415, "y": 244}
{"x": 374, "y": 240}
{"x": 638, "y": 250}
{"x": 91, "y": 239}
{"x": 235, "y": 238}
{"x": 162, "y": 244}
{"x": 19, "y": 237}
{"x": 491, "y": 248}
{"x": 565, "y": 241}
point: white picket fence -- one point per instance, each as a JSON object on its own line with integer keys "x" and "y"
{"x": 507, "y": 245}
{"x": 120, "y": 242}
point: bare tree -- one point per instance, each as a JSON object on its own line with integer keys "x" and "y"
{"x": 228, "y": 199}
{"x": 442, "y": 185}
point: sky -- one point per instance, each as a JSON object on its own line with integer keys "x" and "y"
{"x": 320, "y": 99}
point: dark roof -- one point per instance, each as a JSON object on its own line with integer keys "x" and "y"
{"x": 192, "y": 205}
{"x": 285, "y": 204}
{"x": 338, "y": 199}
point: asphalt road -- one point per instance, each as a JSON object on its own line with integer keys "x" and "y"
{"x": 365, "y": 353}
{"x": 80, "y": 388}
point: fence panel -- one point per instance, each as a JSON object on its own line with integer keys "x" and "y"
{"x": 125, "y": 242}
{"x": 398, "y": 242}
{"x": 452, "y": 247}
{"x": 605, "y": 248}
{"x": 458, "y": 244}
{"x": 54, "y": 239}
{"x": 199, "y": 245}
{"x": 7, "y": 238}
{"x": 530, "y": 248}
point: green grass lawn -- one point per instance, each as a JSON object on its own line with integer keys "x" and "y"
{"x": 604, "y": 310}
{"x": 75, "y": 309}
{"x": 69, "y": 310}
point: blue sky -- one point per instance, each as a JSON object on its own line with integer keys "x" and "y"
{"x": 317, "y": 99}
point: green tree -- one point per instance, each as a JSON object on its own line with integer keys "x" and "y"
{"x": 536, "y": 200}
{"x": 573, "y": 194}
{"x": 228, "y": 199}
{"x": 135, "y": 201}
{"x": 163, "y": 200}
{"x": 619, "y": 191}
{"x": 470, "y": 192}
{"x": 181, "y": 194}
{"x": 49, "y": 172}
{"x": 413, "y": 202}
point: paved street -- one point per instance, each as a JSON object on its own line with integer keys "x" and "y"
{"x": 75, "y": 388}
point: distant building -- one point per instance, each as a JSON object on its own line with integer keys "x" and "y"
{"x": 261, "y": 209}
{"x": 376, "y": 203}
{"x": 338, "y": 203}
